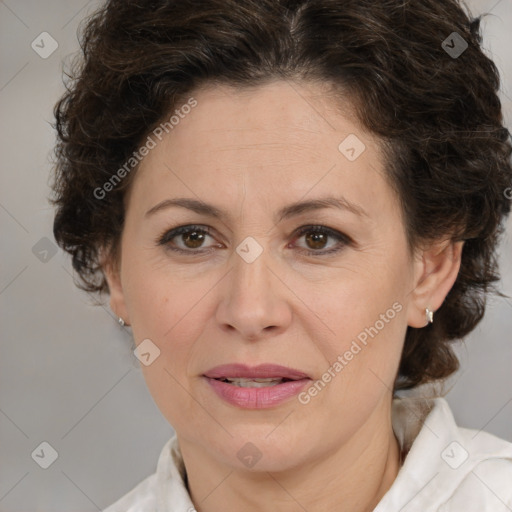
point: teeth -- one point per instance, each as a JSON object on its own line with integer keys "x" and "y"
{"x": 254, "y": 383}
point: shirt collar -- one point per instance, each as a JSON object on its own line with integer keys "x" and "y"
{"x": 439, "y": 455}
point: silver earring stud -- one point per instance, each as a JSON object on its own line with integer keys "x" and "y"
{"x": 121, "y": 322}
{"x": 429, "y": 314}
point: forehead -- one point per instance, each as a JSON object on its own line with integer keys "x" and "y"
{"x": 281, "y": 140}
{"x": 273, "y": 116}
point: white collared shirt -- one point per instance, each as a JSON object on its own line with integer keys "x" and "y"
{"x": 447, "y": 468}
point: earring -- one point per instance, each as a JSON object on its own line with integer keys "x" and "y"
{"x": 121, "y": 322}
{"x": 429, "y": 314}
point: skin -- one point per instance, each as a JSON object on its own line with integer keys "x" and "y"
{"x": 250, "y": 153}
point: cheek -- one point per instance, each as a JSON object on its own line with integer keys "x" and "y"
{"x": 169, "y": 309}
{"x": 365, "y": 330}
{"x": 171, "y": 314}
{"x": 154, "y": 294}
{"x": 366, "y": 320}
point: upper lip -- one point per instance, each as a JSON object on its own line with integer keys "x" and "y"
{"x": 261, "y": 371}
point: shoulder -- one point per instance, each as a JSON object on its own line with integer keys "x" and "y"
{"x": 486, "y": 482}
{"x": 142, "y": 498}
{"x": 164, "y": 490}
{"x": 448, "y": 468}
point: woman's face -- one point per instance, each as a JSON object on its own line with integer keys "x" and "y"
{"x": 259, "y": 288}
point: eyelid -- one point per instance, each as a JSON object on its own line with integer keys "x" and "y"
{"x": 342, "y": 239}
{"x": 169, "y": 234}
{"x": 322, "y": 229}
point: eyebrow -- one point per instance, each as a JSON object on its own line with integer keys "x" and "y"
{"x": 286, "y": 212}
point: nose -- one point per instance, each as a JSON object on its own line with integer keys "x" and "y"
{"x": 254, "y": 300}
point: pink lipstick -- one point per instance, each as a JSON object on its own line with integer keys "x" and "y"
{"x": 256, "y": 387}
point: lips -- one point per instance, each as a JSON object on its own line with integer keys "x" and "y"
{"x": 257, "y": 387}
{"x": 263, "y": 371}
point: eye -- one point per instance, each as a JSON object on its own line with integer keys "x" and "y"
{"x": 191, "y": 238}
{"x": 316, "y": 238}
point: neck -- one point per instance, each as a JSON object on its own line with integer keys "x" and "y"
{"x": 353, "y": 478}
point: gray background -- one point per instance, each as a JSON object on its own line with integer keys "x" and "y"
{"x": 67, "y": 375}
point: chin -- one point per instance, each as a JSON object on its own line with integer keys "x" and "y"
{"x": 256, "y": 451}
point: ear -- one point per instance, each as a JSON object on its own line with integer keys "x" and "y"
{"x": 111, "y": 269}
{"x": 436, "y": 269}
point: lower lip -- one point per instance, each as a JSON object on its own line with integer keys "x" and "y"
{"x": 257, "y": 398}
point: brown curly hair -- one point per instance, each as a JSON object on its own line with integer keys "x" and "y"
{"x": 438, "y": 115}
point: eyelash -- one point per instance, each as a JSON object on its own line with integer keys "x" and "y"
{"x": 343, "y": 240}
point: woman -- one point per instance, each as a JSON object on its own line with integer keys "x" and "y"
{"x": 295, "y": 205}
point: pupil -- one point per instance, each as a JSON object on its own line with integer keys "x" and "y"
{"x": 317, "y": 239}
{"x": 195, "y": 238}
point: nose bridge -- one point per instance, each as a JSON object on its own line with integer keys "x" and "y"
{"x": 250, "y": 276}
{"x": 251, "y": 301}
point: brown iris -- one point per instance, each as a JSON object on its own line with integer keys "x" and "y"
{"x": 316, "y": 240}
{"x": 193, "y": 239}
